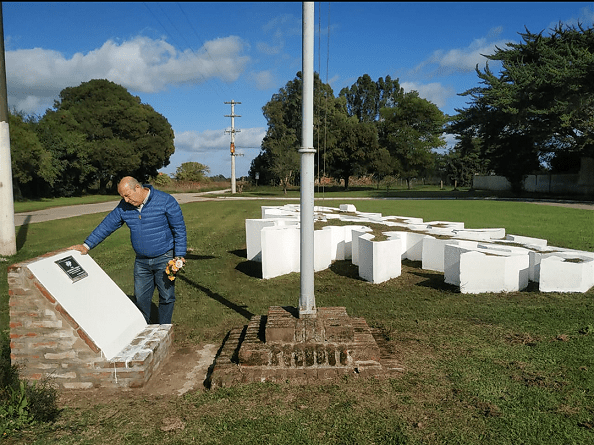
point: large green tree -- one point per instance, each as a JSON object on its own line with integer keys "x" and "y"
{"x": 34, "y": 170}
{"x": 356, "y": 142}
{"x": 411, "y": 131}
{"x": 278, "y": 160}
{"x": 123, "y": 136}
{"x": 365, "y": 98}
{"x": 192, "y": 171}
{"x": 71, "y": 153}
{"x": 539, "y": 106}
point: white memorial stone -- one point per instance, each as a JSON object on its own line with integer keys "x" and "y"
{"x": 95, "y": 302}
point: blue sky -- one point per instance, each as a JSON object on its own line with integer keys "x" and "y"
{"x": 187, "y": 59}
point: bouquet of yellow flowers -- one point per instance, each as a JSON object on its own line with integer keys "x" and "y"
{"x": 173, "y": 267}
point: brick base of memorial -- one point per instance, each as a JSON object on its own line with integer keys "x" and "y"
{"x": 282, "y": 347}
{"x": 46, "y": 341}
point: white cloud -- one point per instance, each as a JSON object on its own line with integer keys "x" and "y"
{"x": 284, "y": 25}
{"x": 217, "y": 140}
{"x": 586, "y": 18}
{"x": 433, "y": 92}
{"x": 262, "y": 80}
{"x": 461, "y": 60}
{"x": 36, "y": 76}
{"x": 269, "y": 50}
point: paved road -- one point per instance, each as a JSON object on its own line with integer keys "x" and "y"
{"x": 86, "y": 209}
{"x": 182, "y": 198}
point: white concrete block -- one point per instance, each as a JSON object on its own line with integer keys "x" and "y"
{"x": 290, "y": 211}
{"x": 451, "y": 259}
{"x": 440, "y": 231}
{"x": 517, "y": 272}
{"x": 537, "y": 253}
{"x": 348, "y": 239}
{"x": 411, "y": 244}
{"x": 253, "y": 240}
{"x": 526, "y": 240}
{"x": 404, "y": 220}
{"x": 566, "y": 272}
{"x": 452, "y": 225}
{"x": 322, "y": 250}
{"x": 253, "y": 229}
{"x": 280, "y": 250}
{"x": 433, "y": 253}
{"x": 356, "y": 234}
{"x": 347, "y": 208}
{"x": 379, "y": 261}
{"x": 414, "y": 246}
{"x": 337, "y": 242}
{"x": 417, "y": 227}
{"x": 490, "y": 268}
{"x": 481, "y": 272}
{"x": 95, "y": 302}
{"x": 480, "y": 234}
{"x": 370, "y": 217}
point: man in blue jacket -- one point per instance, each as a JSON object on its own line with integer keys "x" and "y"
{"x": 157, "y": 233}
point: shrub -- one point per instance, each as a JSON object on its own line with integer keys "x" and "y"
{"x": 23, "y": 403}
{"x": 161, "y": 180}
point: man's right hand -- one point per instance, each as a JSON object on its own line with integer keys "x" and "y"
{"x": 81, "y": 248}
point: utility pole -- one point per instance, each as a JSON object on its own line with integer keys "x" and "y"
{"x": 307, "y": 299}
{"x": 232, "y": 131}
{"x": 7, "y": 233}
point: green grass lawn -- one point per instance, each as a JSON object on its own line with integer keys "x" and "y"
{"x": 515, "y": 368}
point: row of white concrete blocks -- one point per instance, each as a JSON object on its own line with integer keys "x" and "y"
{"x": 475, "y": 260}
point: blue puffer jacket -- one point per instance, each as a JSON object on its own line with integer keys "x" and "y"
{"x": 158, "y": 228}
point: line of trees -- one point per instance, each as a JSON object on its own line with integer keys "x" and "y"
{"x": 373, "y": 127}
{"x": 95, "y": 134}
{"x": 536, "y": 115}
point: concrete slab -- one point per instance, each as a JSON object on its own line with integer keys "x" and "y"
{"x": 97, "y": 304}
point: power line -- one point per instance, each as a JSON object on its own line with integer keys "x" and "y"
{"x": 205, "y": 79}
{"x": 203, "y": 43}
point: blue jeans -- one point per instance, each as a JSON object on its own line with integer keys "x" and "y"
{"x": 148, "y": 273}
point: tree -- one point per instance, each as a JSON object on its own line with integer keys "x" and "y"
{"x": 71, "y": 153}
{"x": 355, "y": 143}
{"x": 463, "y": 161}
{"x": 192, "y": 171}
{"x": 365, "y": 98}
{"x": 279, "y": 159}
{"x": 124, "y": 136}
{"x": 364, "y": 101}
{"x": 380, "y": 163}
{"x": 410, "y": 131}
{"x": 33, "y": 168}
{"x": 541, "y": 105}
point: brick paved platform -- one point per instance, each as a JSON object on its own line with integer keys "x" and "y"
{"x": 281, "y": 347}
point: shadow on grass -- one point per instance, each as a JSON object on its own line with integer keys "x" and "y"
{"x": 345, "y": 268}
{"x": 191, "y": 256}
{"x": 434, "y": 281}
{"x": 250, "y": 268}
{"x": 241, "y": 253}
{"x": 241, "y": 310}
{"x": 22, "y": 233}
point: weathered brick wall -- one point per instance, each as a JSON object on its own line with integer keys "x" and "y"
{"x": 46, "y": 341}
{"x": 280, "y": 347}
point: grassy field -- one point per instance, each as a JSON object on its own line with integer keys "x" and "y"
{"x": 515, "y": 368}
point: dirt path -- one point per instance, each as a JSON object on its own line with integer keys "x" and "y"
{"x": 581, "y": 206}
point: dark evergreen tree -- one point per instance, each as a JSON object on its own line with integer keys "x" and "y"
{"x": 539, "y": 107}
{"x": 123, "y": 136}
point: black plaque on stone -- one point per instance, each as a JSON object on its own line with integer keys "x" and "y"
{"x": 72, "y": 268}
